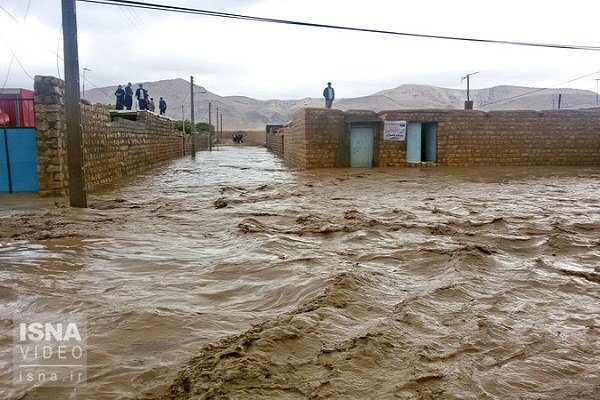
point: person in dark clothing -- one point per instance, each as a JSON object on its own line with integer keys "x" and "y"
{"x": 120, "y": 95}
{"x": 141, "y": 95}
{"x": 128, "y": 96}
{"x": 162, "y": 106}
{"x": 329, "y": 95}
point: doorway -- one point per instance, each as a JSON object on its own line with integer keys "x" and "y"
{"x": 421, "y": 142}
{"x": 361, "y": 146}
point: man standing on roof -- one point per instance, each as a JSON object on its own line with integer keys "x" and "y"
{"x": 329, "y": 95}
{"x": 141, "y": 95}
{"x": 128, "y": 96}
{"x": 162, "y": 105}
{"x": 120, "y": 95}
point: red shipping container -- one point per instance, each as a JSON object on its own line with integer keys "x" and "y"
{"x": 16, "y": 108}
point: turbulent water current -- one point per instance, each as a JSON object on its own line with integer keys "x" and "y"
{"x": 232, "y": 276}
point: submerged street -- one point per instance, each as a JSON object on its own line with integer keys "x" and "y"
{"x": 433, "y": 283}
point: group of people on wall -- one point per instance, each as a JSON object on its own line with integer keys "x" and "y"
{"x": 145, "y": 102}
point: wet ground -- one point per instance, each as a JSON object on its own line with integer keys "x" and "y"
{"x": 234, "y": 277}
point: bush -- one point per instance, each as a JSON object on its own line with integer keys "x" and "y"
{"x": 200, "y": 126}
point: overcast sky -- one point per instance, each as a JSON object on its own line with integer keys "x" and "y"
{"x": 232, "y": 57}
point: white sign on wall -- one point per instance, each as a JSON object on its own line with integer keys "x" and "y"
{"x": 394, "y": 130}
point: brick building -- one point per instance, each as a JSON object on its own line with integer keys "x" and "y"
{"x": 327, "y": 138}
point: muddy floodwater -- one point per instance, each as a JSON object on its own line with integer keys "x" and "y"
{"x": 234, "y": 277}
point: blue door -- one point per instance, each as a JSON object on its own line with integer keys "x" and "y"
{"x": 413, "y": 142}
{"x": 4, "y": 181}
{"x": 361, "y": 147}
{"x": 18, "y": 163}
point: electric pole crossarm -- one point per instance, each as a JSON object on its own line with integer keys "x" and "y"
{"x": 468, "y": 103}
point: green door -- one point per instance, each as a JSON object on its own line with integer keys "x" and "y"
{"x": 413, "y": 142}
{"x": 361, "y": 147}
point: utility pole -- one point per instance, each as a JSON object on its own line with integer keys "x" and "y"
{"x": 221, "y": 135}
{"x": 559, "y": 100}
{"x": 83, "y": 83}
{"x": 192, "y": 127}
{"x": 597, "y": 103}
{"x": 77, "y": 195}
{"x": 217, "y": 124}
{"x": 209, "y": 127}
{"x": 468, "y": 103}
{"x": 183, "y": 128}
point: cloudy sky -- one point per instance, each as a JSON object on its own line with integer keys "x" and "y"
{"x": 232, "y": 57}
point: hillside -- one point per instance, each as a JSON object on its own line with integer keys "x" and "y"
{"x": 242, "y": 112}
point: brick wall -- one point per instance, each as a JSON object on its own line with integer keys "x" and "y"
{"x": 268, "y": 133}
{"x": 111, "y": 149}
{"x": 312, "y": 139}
{"x": 319, "y": 138}
{"x": 201, "y": 142}
{"x": 276, "y": 141}
{"x": 294, "y": 141}
{"x": 465, "y": 138}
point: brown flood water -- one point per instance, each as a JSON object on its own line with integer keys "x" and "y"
{"x": 337, "y": 284}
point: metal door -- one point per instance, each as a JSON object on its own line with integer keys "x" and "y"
{"x": 18, "y": 162}
{"x": 361, "y": 147}
{"x": 413, "y": 142}
{"x": 4, "y": 181}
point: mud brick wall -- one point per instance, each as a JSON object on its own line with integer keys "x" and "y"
{"x": 276, "y": 141}
{"x": 111, "y": 149}
{"x": 201, "y": 142}
{"x": 313, "y": 138}
{"x": 293, "y": 141}
{"x": 319, "y": 138}
{"x": 502, "y": 138}
{"x": 268, "y": 132}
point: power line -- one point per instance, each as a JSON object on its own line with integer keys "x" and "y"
{"x": 185, "y": 10}
{"x": 49, "y": 49}
{"x": 16, "y": 58}
{"x": 540, "y": 89}
{"x": 578, "y": 105}
{"x": 14, "y": 55}
{"x": 57, "y": 49}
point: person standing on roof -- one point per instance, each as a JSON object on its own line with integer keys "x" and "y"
{"x": 329, "y": 95}
{"x": 162, "y": 106}
{"x": 141, "y": 95}
{"x": 120, "y": 95}
{"x": 128, "y": 96}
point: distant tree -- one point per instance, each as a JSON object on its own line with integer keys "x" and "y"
{"x": 203, "y": 127}
{"x": 180, "y": 124}
{"x": 200, "y": 126}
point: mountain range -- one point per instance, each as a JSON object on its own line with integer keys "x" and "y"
{"x": 245, "y": 113}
